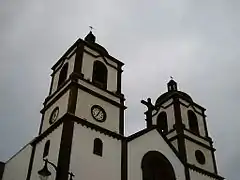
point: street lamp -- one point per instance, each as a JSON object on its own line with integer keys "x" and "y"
{"x": 44, "y": 173}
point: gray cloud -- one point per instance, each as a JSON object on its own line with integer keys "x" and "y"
{"x": 194, "y": 41}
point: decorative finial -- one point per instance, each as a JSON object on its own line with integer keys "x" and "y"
{"x": 171, "y": 77}
{"x": 90, "y": 37}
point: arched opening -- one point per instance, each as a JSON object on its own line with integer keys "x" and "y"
{"x": 63, "y": 74}
{"x": 162, "y": 122}
{"x": 193, "y": 122}
{"x": 46, "y": 149}
{"x": 98, "y": 147}
{"x": 100, "y": 73}
{"x": 155, "y": 166}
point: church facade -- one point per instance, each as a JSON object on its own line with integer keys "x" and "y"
{"x": 81, "y": 135}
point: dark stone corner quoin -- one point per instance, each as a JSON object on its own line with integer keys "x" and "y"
{"x": 2, "y": 165}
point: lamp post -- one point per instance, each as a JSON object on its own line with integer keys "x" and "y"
{"x": 44, "y": 173}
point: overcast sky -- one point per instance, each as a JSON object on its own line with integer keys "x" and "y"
{"x": 195, "y": 41}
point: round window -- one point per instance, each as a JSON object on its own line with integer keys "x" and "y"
{"x": 200, "y": 157}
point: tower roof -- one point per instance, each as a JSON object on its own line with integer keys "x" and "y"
{"x": 91, "y": 40}
{"x": 172, "y": 91}
{"x": 169, "y": 94}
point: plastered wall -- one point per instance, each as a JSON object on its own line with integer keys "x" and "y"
{"x": 87, "y": 165}
{"x": 166, "y": 107}
{"x": 17, "y": 166}
{"x": 83, "y": 110}
{"x": 191, "y": 147}
{"x": 62, "y": 103}
{"x": 87, "y": 69}
{"x": 55, "y": 139}
{"x": 150, "y": 141}
{"x": 55, "y": 76}
{"x": 197, "y": 112}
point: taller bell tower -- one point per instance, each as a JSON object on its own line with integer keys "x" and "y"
{"x": 85, "y": 100}
{"x": 86, "y": 82}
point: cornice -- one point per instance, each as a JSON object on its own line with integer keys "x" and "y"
{"x": 95, "y": 127}
{"x": 202, "y": 171}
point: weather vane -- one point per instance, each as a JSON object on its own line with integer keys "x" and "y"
{"x": 91, "y": 28}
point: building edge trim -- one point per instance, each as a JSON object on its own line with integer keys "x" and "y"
{"x": 124, "y": 160}
{"x": 29, "y": 173}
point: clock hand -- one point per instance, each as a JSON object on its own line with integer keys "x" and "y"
{"x": 98, "y": 113}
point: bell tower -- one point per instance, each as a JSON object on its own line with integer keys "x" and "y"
{"x": 84, "y": 111}
{"x": 86, "y": 82}
{"x": 183, "y": 123}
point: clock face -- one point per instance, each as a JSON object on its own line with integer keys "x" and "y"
{"x": 98, "y": 113}
{"x": 54, "y": 115}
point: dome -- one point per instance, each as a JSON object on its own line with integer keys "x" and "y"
{"x": 172, "y": 91}
{"x": 169, "y": 94}
{"x": 91, "y": 41}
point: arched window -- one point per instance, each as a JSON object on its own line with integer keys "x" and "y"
{"x": 63, "y": 74}
{"x": 162, "y": 122}
{"x": 100, "y": 74}
{"x": 155, "y": 166}
{"x": 98, "y": 147}
{"x": 46, "y": 149}
{"x": 193, "y": 122}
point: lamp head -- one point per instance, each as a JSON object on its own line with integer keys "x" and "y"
{"x": 44, "y": 173}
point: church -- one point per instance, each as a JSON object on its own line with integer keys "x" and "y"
{"x": 81, "y": 134}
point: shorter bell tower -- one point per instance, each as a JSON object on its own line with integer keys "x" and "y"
{"x": 183, "y": 123}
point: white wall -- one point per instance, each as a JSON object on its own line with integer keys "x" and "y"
{"x": 55, "y": 139}
{"x": 87, "y": 165}
{"x": 55, "y": 77}
{"x": 198, "y": 176}
{"x": 184, "y": 115}
{"x": 175, "y": 144}
{"x": 170, "y": 114}
{"x": 191, "y": 147}
{"x": 197, "y": 138}
{"x": 98, "y": 90}
{"x": 17, "y": 166}
{"x": 62, "y": 103}
{"x": 71, "y": 63}
{"x": 112, "y": 77}
{"x": 87, "y": 69}
{"x": 83, "y": 110}
{"x": 151, "y": 141}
